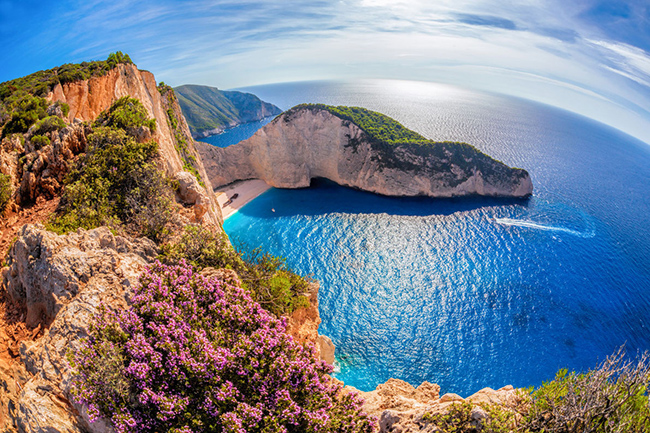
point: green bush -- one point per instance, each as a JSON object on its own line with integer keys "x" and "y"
{"x": 266, "y": 277}
{"x": 128, "y": 114}
{"x": 26, "y": 110}
{"x": 613, "y": 398}
{"x": 48, "y": 124}
{"x": 40, "y": 141}
{"x": 5, "y": 191}
{"x": 65, "y": 108}
{"x": 116, "y": 182}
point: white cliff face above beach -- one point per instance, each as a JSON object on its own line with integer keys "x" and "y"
{"x": 309, "y": 142}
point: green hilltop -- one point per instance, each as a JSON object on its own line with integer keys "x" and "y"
{"x": 208, "y": 108}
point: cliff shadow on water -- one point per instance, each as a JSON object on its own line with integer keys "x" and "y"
{"x": 326, "y": 197}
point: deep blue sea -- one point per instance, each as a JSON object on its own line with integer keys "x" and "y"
{"x": 235, "y": 135}
{"x": 469, "y": 293}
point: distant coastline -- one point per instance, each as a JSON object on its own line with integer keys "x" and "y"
{"x": 222, "y": 130}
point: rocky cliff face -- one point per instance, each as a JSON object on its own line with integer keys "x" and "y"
{"x": 90, "y": 97}
{"x": 305, "y": 143}
{"x": 60, "y": 282}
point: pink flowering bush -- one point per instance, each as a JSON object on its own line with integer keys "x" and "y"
{"x": 197, "y": 355}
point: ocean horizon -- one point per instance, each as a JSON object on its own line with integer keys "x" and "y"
{"x": 470, "y": 292}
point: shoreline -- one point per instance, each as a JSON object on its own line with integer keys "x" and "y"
{"x": 246, "y": 190}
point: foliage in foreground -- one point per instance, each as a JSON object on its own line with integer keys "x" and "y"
{"x": 197, "y": 355}
{"x": 612, "y": 398}
{"x": 116, "y": 182}
{"x": 270, "y": 282}
{"x": 5, "y": 191}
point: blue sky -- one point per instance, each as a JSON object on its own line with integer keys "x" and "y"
{"x": 587, "y": 56}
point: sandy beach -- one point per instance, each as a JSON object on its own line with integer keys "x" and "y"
{"x": 246, "y": 191}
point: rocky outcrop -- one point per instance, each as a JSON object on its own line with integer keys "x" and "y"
{"x": 400, "y": 407}
{"x": 303, "y": 327}
{"x": 307, "y": 143}
{"x": 88, "y": 98}
{"x": 38, "y": 171}
{"x": 61, "y": 281}
{"x": 210, "y": 111}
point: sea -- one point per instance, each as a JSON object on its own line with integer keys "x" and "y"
{"x": 474, "y": 292}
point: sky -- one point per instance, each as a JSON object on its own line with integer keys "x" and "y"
{"x": 591, "y": 57}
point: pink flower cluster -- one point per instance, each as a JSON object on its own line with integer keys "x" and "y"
{"x": 197, "y": 355}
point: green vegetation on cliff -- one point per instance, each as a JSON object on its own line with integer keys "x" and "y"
{"x": 5, "y": 191}
{"x": 22, "y": 100}
{"x": 389, "y": 139}
{"x": 612, "y": 398}
{"x": 206, "y": 108}
{"x": 267, "y": 278}
{"x": 190, "y": 163}
{"x": 116, "y": 182}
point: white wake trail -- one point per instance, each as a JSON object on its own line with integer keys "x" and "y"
{"x": 534, "y": 225}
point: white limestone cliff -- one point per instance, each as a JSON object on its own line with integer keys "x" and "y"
{"x": 304, "y": 143}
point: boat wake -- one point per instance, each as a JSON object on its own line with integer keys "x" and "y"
{"x": 533, "y": 225}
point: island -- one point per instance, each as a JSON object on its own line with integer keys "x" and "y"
{"x": 363, "y": 149}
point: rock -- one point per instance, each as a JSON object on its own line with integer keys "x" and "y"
{"x": 64, "y": 280}
{"x": 306, "y": 143}
{"x": 326, "y": 348}
{"x": 401, "y": 407}
{"x": 190, "y": 192}
{"x": 477, "y": 416}
{"x": 427, "y": 391}
{"x": 55, "y": 110}
{"x": 451, "y": 397}
{"x": 228, "y": 276}
{"x": 303, "y": 323}
{"x": 43, "y": 280}
{"x": 388, "y": 419}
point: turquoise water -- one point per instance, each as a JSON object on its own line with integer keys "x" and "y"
{"x": 470, "y": 293}
{"x": 235, "y": 135}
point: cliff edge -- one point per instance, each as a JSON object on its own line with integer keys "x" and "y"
{"x": 361, "y": 149}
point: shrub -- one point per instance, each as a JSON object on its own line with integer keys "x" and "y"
{"x": 5, "y": 191}
{"x": 48, "y": 124}
{"x": 128, "y": 114}
{"x": 196, "y": 355}
{"x": 268, "y": 279}
{"x": 65, "y": 108}
{"x": 40, "y": 141}
{"x": 26, "y": 110}
{"x": 116, "y": 182}
{"x": 612, "y": 398}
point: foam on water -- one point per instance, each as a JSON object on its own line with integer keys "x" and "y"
{"x": 534, "y": 225}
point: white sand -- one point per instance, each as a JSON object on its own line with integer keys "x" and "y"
{"x": 247, "y": 190}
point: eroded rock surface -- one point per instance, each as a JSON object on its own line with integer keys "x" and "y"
{"x": 400, "y": 407}
{"x": 61, "y": 281}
